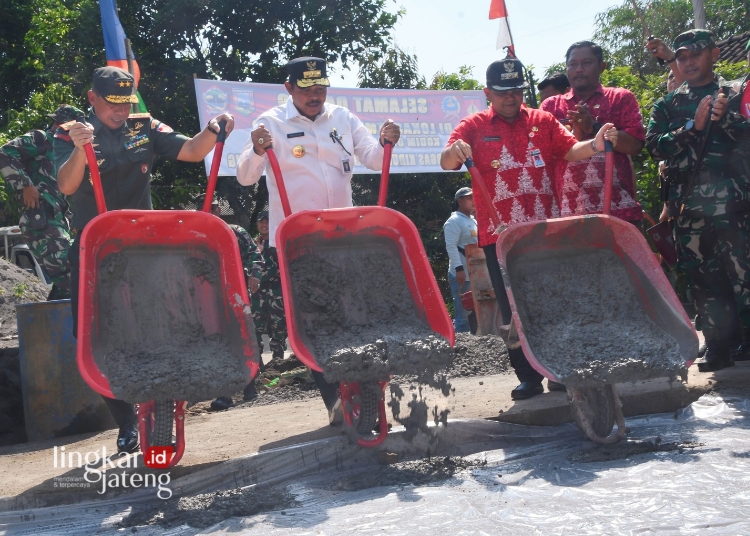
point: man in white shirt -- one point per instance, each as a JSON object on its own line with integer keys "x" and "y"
{"x": 316, "y": 143}
{"x": 460, "y": 230}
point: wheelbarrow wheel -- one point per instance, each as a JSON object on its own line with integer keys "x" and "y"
{"x": 369, "y": 393}
{"x": 163, "y": 417}
{"x": 594, "y": 409}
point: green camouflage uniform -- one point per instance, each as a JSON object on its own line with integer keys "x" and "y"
{"x": 268, "y": 304}
{"x": 713, "y": 231}
{"x": 252, "y": 261}
{"x": 25, "y": 161}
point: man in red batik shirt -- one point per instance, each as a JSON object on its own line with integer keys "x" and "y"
{"x": 516, "y": 149}
{"x": 583, "y": 110}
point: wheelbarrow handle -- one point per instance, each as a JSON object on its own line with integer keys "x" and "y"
{"x": 478, "y": 183}
{"x": 96, "y": 179}
{"x": 609, "y": 167}
{"x": 215, "y": 163}
{"x": 388, "y": 150}
{"x": 279, "y": 181}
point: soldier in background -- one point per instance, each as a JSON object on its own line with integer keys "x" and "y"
{"x": 26, "y": 165}
{"x": 268, "y": 302}
{"x": 712, "y": 220}
{"x": 252, "y": 266}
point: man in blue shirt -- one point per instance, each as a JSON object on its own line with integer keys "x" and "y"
{"x": 460, "y": 229}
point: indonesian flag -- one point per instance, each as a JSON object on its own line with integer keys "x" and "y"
{"x": 499, "y": 11}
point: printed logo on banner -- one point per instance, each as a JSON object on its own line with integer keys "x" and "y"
{"x": 243, "y": 101}
{"x": 451, "y": 107}
{"x": 215, "y": 100}
{"x": 472, "y": 109}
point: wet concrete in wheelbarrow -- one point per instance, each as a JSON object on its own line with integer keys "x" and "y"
{"x": 583, "y": 321}
{"x": 354, "y": 306}
{"x": 151, "y": 342}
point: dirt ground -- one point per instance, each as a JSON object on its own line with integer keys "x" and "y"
{"x": 16, "y": 286}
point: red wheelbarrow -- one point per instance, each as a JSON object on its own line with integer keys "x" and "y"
{"x": 164, "y": 313}
{"x": 610, "y": 284}
{"x": 336, "y": 234}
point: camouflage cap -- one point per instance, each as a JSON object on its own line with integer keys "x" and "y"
{"x": 65, "y": 113}
{"x": 694, "y": 40}
{"x": 116, "y": 85}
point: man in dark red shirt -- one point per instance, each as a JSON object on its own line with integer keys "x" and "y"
{"x": 516, "y": 149}
{"x": 584, "y": 109}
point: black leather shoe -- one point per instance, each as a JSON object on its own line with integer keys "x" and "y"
{"x": 251, "y": 393}
{"x": 221, "y": 403}
{"x": 717, "y": 357}
{"x": 742, "y": 352}
{"x": 127, "y": 439}
{"x": 527, "y": 390}
{"x": 554, "y": 386}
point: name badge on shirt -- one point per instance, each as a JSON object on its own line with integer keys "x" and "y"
{"x": 295, "y": 135}
{"x": 491, "y": 138}
{"x": 536, "y": 157}
{"x": 346, "y": 166}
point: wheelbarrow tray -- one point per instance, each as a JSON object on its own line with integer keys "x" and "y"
{"x": 326, "y": 231}
{"x": 211, "y": 301}
{"x": 555, "y": 240}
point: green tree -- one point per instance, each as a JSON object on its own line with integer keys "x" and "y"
{"x": 460, "y": 81}
{"x": 620, "y": 31}
{"x": 396, "y": 69}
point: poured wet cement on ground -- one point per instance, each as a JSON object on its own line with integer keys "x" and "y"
{"x": 207, "y": 509}
{"x": 626, "y": 449}
{"x": 407, "y": 473}
{"x": 582, "y": 318}
{"x": 152, "y": 342}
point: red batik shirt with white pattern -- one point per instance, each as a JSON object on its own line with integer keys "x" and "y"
{"x": 581, "y": 183}
{"x": 525, "y": 154}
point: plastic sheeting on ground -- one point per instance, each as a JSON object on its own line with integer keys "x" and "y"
{"x": 529, "y": 485}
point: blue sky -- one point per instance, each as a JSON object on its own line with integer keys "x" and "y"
{"x": 445, "y": 34}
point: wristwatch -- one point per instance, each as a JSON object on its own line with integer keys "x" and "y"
{"x": 690, "y": 127}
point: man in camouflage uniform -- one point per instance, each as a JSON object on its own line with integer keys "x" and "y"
{"x": 27, "y": 167}
{"x": 252, "y": 264}
{"x": 267, "y": 302}
{"x": 713, "y": 229}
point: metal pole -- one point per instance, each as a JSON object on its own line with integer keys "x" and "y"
{"x": 699, "y": 13}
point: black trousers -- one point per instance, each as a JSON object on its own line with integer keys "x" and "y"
{"x": 524, "y": 371}
{"x": 329, "y": 391}
{"x": 121, "y": 411}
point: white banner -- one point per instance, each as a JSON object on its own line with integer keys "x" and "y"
{"x": 426, "y": 118}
